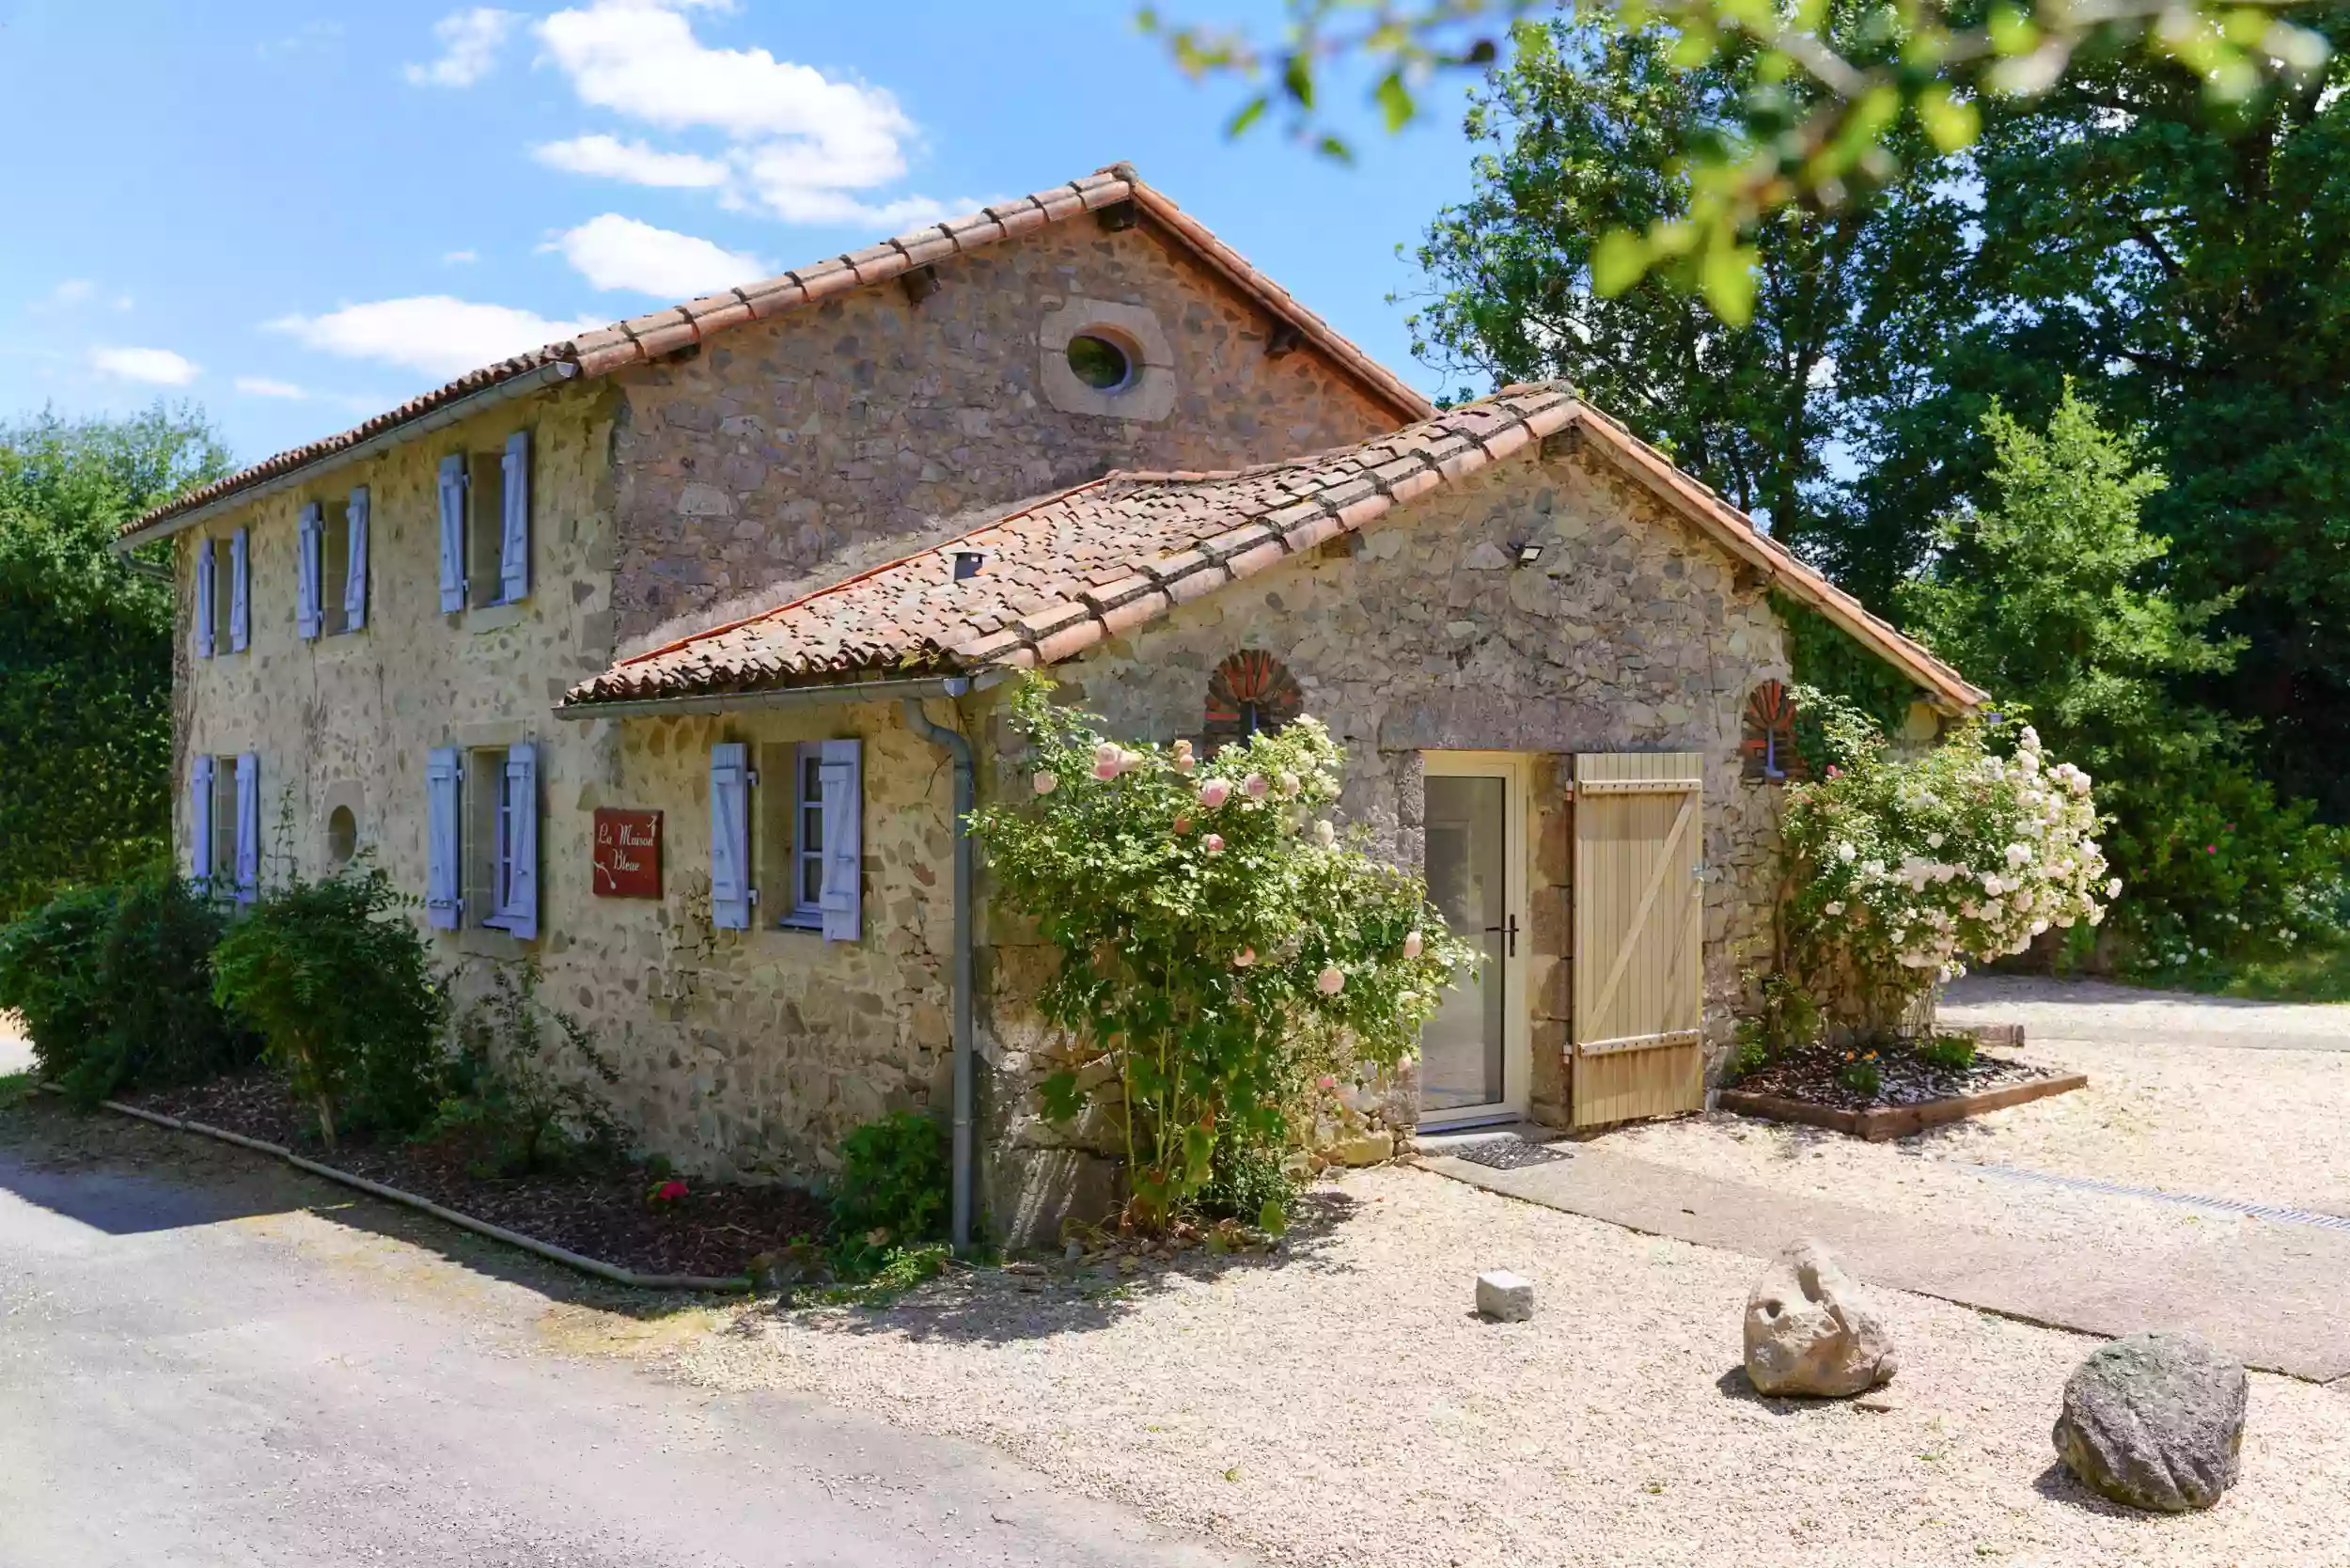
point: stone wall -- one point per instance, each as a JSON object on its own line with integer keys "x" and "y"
{"x": 827, "y": 438}
{"x": 1633, "y": 633}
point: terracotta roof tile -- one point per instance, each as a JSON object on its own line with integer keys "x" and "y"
{"x": 1063, "y": 574}
{"x": 649, "y": 336}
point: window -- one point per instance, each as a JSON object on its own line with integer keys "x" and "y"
{"x": 225, "y": 825}
{"x": 1100, "y": 362}
{"x": 486, "y": 526}
{"x": 485, "y": 513}
{"x": 342, "y": 577}
{"x": 220, "y": 577}
{"x": 1251, "y": 692}
{"x": 1767, "y": 744}
{"x": 482, "y": 833}
{"x": 342, "y": 835}
{"x": 805, "y": 835}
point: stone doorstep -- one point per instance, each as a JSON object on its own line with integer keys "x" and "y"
{"x": 1882, "y": 1123}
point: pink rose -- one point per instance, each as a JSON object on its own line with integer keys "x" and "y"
{"x": 1330, "y": 982}
{"x": 1046, "y": 782}
{"x": 1291, "y": 784}
{"x": 1411, "y": 945}
{"x": 1213, "y": 843}
{"x": 1214, "y": 792}
{"x": 1185, "y": 760}
{"x": 1129, "y": 760}
{"x": 1327, "y": 1081}
{"x": 1243, "y": 958}
{"x": 1108, "y": 762}
{"x": 1183, "y": 825}
{"x": 1256, "y": 786}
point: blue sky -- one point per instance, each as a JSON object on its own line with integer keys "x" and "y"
{"x": 298, "y": 215}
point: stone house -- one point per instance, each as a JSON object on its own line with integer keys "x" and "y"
{"x": 666, "y": 659}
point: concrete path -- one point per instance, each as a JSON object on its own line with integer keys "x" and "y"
{"x": 2274, "y": 1299}
{"x": 2093, "y": 1010}
{"x": 205, "y": 1359}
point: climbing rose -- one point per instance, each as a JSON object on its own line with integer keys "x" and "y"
{"x": 1411, "y": 945}
{"x": 1183, "y": 825}
{"x": 1324, "y": 834}
{"x": 1213, "y": 843}
{"x": 1214, "y": 792}
{"x": 1330, "y": 982}
{"x": 1108, "y": 761}
{"x": 1291, "y": 784}
{"x": 1046, "y": 782}
{"x": 1255, "y": 785}
{"x": 1243, "y": 958}
{"x": 1185, "y": 760}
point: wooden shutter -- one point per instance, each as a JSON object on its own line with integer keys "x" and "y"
{"x": 240, "y": 592}
{"x": 518, "y": 915}
{"x": 204, "y": 589}
{"x": 453, "y": 534}
{"x": 1640, "y": 928}
{"x": 248, "y": 828}
{"x": 200, "y": 823}
{"x": 514, "y": 538}
{"x": 840, "y": 771}
{"x": 441, "y": 903}
{"x": 729, "y": 837}
{"x": 355, "y": 583}
{"x": 310, "y": 568}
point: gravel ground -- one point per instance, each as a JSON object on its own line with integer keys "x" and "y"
{"x": 1345, "y": 1406}
{"x": 2096, "y": 1010}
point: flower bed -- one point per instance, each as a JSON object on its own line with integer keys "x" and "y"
{"x": 1814, "y": 1085}
{"x": 604, "y": 1214}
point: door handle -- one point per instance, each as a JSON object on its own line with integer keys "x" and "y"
{"x": 1508, "y": 928}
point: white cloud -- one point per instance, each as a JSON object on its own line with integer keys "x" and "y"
{"x": 155, "y": 367}
{"x": 470, "y": 41}
{"x": 612, "y": 158}
{"x": 74, "y": 290}
{"x": 459, "y": 257}
{"x": 261, "y": 387}
{"x": 801, "y": 145}
{"x": 436, "y": 334}
{"x": 614, "y": 251}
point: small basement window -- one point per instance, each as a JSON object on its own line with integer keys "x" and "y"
{"x": 342, "y": 835}
{"x": 1100, "y": 363}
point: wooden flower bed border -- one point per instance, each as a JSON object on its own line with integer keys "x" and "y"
{"x": 1881, "y": 1124}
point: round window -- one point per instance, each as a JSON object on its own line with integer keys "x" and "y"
{"x": 1100, "y": 363}
{"x": 342, "y": 835}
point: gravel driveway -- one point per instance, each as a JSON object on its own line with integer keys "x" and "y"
{"x": 1348, "y": 1408}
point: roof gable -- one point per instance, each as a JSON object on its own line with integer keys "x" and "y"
{"x": 645, "y": 338}
{"x": 1060, "y": 576}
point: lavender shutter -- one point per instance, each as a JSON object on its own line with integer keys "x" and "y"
{"x": 453, "y": 534}
{"x": 514, "y": 540}
{"x": 204, "y": 589}
{"x": 200, "y": 823}
{"x": 840, "y": 771}
{"x": 520, "y": 913}
{"x": 356, "y": 577}
{"x": 309, "y": 567}
{"x": 441, "y": 905}
{"x": 729, "y": 837}
{"x": 248, "y": 827}
{"x": 240, "y": 592}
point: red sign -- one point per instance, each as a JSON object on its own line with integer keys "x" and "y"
{"x": 628, "y": 854}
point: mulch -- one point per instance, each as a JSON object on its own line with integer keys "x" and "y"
{"x": 1808, "y": 1072}
{"x": 714, "y": 1231}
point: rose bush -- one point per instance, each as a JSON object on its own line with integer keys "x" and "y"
{"x": 1902, "y": 870}
{"x": 1219, "y": 941}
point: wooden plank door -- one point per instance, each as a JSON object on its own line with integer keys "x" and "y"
{"x": 1640, "y": 927}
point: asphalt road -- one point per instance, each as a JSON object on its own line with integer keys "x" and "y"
{"x": 208, "y": 1359}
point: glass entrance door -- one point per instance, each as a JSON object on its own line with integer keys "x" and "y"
{"x": 1466, "y": 1066}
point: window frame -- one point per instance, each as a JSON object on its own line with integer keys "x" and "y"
{"x": 807, "y": 848}
{"x": 226, "y": 827}
{"x": 484, "y": 836}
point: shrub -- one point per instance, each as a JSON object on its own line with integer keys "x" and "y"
{"x": 163, "y": 1026}
{"x": 1904, "y": 869}
{"x": 50, "y": 976}
{"x": 1213, "y": 933}
{"x": 1250, "y": 1182}
{"x": 893, "y": 1178}
{"x": 1952, "y": 1053}
{"x": 510, "y": 1092}
{"x": 1861, "y": 1074}
{"x": 341, "y": 987}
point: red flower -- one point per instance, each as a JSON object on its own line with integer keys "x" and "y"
{"x": 2211, "y": 848}
{"x": 668, "y": 1192}
{"x": 1835, "y": 772}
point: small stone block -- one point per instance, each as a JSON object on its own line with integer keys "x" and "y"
{"x": 1504, "y": 1296}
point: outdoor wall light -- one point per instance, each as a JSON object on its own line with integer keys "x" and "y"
{"x": 1530, "y": 554}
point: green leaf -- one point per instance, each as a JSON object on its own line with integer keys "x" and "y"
{"x": 1273, "y": 1219}
{"x": 1062, "y": 1099}
{"x": 1950, "y": 123}
{"x": 1725, "y": 273}
{"x": 1394, "y": 99}
{"x": 1250, "y": 113}
{"x": 1617, "y": 261}
{"x": 1297, "y": 79}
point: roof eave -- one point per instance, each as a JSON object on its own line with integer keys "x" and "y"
{"x": 816, "y": 694}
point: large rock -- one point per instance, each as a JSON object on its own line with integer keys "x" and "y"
{"x": 2155, "y": 1421}
{"x": 1812, "y": 1330}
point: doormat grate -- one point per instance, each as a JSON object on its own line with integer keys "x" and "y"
{"x": 1507, "y": 1154}
{"x": 2189, "y": 1201}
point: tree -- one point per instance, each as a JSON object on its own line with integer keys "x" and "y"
{"x": 86, "y": 642}
{"x": 1931, "y": 65}
{"x": 1587, "y": 129}
{"x": 2053, "y": 595}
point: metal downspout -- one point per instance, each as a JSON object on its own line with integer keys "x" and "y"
{"x": 966, "y": 1091}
